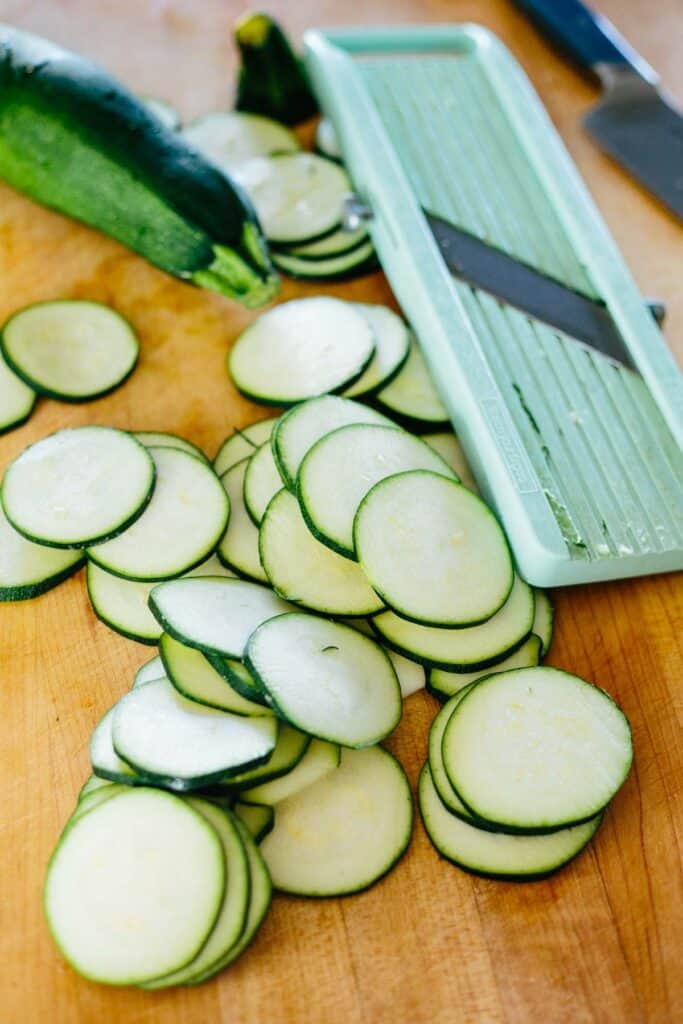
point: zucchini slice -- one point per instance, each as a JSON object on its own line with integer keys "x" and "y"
{"x": 17, "y": 399}
{"x": 239, "y": 545}
{"x": 468, "y": 649}
{"x": 498, "y": 855}
{"x": 291, "y": 746}
{"x": 340, "y": 243}
{"x": 297, "y": 430}
{"x": 439, "y": 775}
{"x": 179, "y": 528}
{"x": 433, "y": 550}
{"x": 346, "y": 831}
{"x": 392, "y": 344}
{"x": 211, "y": 567}
{"x": 306, "y": 572}
{"x": 186, "y": 745}
{"x": 262, "y": 481}
{"x": 163, "y": 111}
{"x": 301, "y": 349}
{"x": 536, "y": 748}
{"x": 134, "y": 887}
{"x": 111, "y": 164}
{"x": 272, "y": 80}
{"x": 340, "y": 469}
{"x": 71, "y": 350}
{"x": 230, "y": 138}
{"x": 152, "y": 669}
{"x": 325, "y": 678}
{"x": 298, "y": 196}
{"x": 345, "y": 266}
{"x": 238, "y": 676}
{"x": 106, "y": 763}
{"x": 91, "y": 785}
{"x": 78, "y": 486}
{"x": 234, "y": 907}
{"x": 442, "y": 684}
{"x": 193, "y": 677}
{"x": 411, "y": 675}
{"x": 27, "y": 569}
{"x": 412, "y": 393}
{"x": 543, "y": 620}
{"x": 122, "y": 604}
{"x": 258, "y": 819}
{"x": 326, "y": 141}
{"x": 212, "y": 614}
{"x": 319, "y": 760}
{"x": 450, "y": 450}
{"x": 156, "y": 439}
{"x": 260, "y": 890}
{"x": 92, "y": 800}
{"x": 242, "y": 443}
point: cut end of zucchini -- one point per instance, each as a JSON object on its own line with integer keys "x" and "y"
{"x": 249, "y": 279}
{"x": 252, "y": 29}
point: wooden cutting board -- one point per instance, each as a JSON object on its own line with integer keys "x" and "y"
{"x": 429, "y": 945}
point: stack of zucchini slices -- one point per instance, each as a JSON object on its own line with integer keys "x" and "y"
{"x": 298, "y": 196}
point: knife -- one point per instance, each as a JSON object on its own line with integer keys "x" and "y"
{"x": 635, "y": 122}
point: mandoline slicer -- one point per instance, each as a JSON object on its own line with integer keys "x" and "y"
{"x": 580, "y": 457}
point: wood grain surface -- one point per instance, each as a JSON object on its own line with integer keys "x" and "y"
{"x": 600, "y": 942}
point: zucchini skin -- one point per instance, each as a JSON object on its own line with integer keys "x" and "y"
{"x": 272, "y": 80}
{"x": 76, "y": 140}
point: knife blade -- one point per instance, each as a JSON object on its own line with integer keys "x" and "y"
{"x": 635, "y": 122}
{"x": 520, "y": 285}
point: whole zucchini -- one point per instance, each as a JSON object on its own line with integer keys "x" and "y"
{"x": 272, "y": 80}
{"x": 76, "y": 140}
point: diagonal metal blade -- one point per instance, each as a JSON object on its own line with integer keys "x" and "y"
{"x": 529, "y": 290}
{"x": 639, "y": 129}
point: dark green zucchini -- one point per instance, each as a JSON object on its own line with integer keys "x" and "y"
{"x": 76, "y": 140}
{"x": 272, "y": 80}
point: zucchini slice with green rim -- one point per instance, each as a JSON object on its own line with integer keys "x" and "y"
{"x": 498, "y": 855}
{"x": 299, "y": 197}
{"x": 301, "y": 349}
{"x": 442, "y": 783}
{"x": 126, "y": 911}
{"x": 180, "y": 527}
{"x": 122, "y": 604}
{"x": 238, "y": 676}
{"x": 325, "y": 678}
{"x": 339, "y": 243}
{"x": 113, "y": 165}
{"x": 70, "y": 349}
{"x": 306, "y": 572}
{"x": 92, "y": 784}
{"x": 106, "y": 763}
{"x": 17, "y": 399}
{"x": 291, "y": 746}
{"x": 442, "y": 684}
{"x": 326, "y": 141}
{"x": 319, "y": 760}
{"x": 344, "y": 832}
{"x": 468, "y": 649}
{"x": 157, "y": 439}
{"x": 238, "y": 547}
{"x": 78, "y": 486}
{"x": 355, "y": 263}
{"x": 340, "y": 469}
{"x": 152, "y": 669}
{"x": 262, "y": 481}
{"x": 260, "y": 890}
{"x": 257, "y": 818}
{"x": 92, "y": 800}
{"x": 229, "y": 138}
{"x": 234, "y": 907}
{"x": 450, "y": 450}
{"x": 185, "y": 745}
{"x": 242, "y": 443}
{"x": 392, "y": 344}
{"x": 272, "y": 80}
{"x": 433, "y": 550}
{"x": 543, "y": 620}
{"x": 536, "y": 748}
{"x": 195, "y": 678}
{"x": 412, "y": 393}
{"x": 411, "y": 675}
{"x": 297, "y": 430}
{"x": 27, "y": 569}
{"x": 215, "y": 615}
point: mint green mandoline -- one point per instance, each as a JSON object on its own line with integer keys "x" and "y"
{"x": 580, "y": 457}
